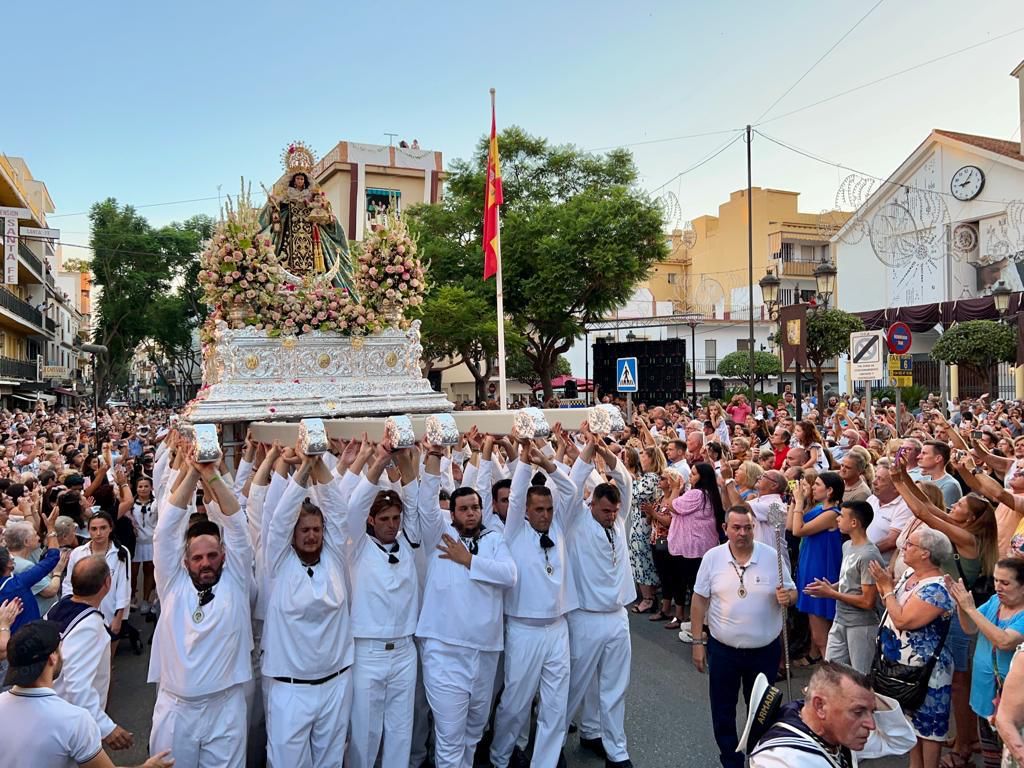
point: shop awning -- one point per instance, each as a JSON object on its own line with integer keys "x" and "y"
{"x": 48, "y": 399}
{"x": 65, "y": 391}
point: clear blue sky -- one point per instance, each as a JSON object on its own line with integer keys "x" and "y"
{"x": 155, "y": 102}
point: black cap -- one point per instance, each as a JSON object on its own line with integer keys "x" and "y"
{"x": 73, "y": 480}
{"x": 28, "y": 650}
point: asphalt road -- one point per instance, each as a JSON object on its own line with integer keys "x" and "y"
{"x": 668, "y": 723}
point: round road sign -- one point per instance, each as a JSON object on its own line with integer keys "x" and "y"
{"x": 898, "y": 338}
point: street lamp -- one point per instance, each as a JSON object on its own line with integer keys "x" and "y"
{"x": 630, "y": 336}
{"x": 1001, "y": 297}
{"x": 825, "y": 281}
{"x": 770, "y": 293}
{"x": 693, "y": 320}
{"x": 94, "y": 350}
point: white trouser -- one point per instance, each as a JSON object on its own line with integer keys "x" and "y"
{"x": 307, "y": 724}
{"x": 590, "y": 716}
{"x": 203, "y": 732}
{"x": 458, "y": 681}
{"x": 256, "y": 752}
{"x": 599, "y": 651}
{"x": 384, "y": 692}
{"x": 420, "y": 721}
{"x": 536, "y": 656}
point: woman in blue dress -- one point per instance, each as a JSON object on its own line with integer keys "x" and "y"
{"x": 918, "y": 612}
{"x": 821, "y": 552}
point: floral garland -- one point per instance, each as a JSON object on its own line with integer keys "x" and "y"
{"x": 245, "y": 285}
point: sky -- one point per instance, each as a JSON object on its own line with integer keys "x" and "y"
{"x": 159, "y": 102}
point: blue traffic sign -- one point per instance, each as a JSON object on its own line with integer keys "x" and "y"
{"x": 626, "y": 376}
{"x": 899, "y": 338}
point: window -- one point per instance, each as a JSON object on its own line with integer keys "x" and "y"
{"x": 808, "y": 253}
{"x": 742, "y": 345}
{"x": 380, "y": 200}
{"x": 808, "y": 296}
{"x": 672, "y": 277}
{"x": 787, "y": 252}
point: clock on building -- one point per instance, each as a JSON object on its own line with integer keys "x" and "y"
{"x": 967, "y": 183}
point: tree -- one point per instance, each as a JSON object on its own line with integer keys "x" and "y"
{"x": 736, "y": 365}
{"x": 519, "y": 367}
{"x": 577, "y": 236}
{"x": 828, "y": 335}
{"x": 977, "y": 345}
{"x": 135, "y": 265}
{"x": 459, "y": 326}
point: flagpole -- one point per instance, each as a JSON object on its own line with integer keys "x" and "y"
{"x": 502, "y": 384}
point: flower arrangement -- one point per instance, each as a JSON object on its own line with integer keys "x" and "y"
{"x": 244, "y": 284}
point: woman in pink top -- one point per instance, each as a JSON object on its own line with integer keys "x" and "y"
{"x": 697, "y": 518}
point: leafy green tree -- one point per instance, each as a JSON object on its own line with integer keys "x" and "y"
{"x": 977, "y": 345}
{"x": 135, "y": 265}
{"x": 460, "y": 327}
{"x": 519, "y": 367}
{"x": 828, "y": 335}
{"x": 736, "y": 365}
{"x": 577, "y": 236}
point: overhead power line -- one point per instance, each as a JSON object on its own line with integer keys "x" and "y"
{"x": 819, "y": 60}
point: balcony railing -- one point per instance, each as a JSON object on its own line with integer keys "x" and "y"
{"x": 51, "y": 324}
{"x": 30, "y": 258}
{"x": 21, "y": 308}
{"x": 11, "y": 368}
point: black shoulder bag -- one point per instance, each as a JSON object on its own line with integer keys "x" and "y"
{"x": 907, "y": 684}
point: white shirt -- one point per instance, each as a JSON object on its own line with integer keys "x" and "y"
{"x": 85, "y": 677}
{"x": 537, "y": 593}
{"x": 120, "y": 595}
{"x": 683, "y": 468}
{"x": 385, "y": 595}
{"x": 307, "y": 633}
{"x": 894, "y": 514}
{"x": 753, "y": 621}
{"x": 45, "y": 731}
{"x": 599, "y": 556}
{"x": 197, "y": 658}
{"x": 761, "y": 506}
{"x": 144, "y": 516}
{"x": 462, "y": 606}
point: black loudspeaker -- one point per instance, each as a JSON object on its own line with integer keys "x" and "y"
{"x": 571, "y": 391}
{"x": 717, "y": 387}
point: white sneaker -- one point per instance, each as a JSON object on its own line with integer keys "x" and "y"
{"x": 143, "y": 607}
{"x": 685, "y": 635}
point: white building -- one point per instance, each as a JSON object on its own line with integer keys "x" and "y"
{"x": 947, "y": 225}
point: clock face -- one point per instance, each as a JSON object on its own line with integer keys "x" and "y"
{"x": 967, "y": 183}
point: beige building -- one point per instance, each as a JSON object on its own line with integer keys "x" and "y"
{"x": 706, "y": 271}
{"x": 361, "y": 179}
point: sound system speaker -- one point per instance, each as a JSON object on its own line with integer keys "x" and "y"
{"x": 661, "y": 367}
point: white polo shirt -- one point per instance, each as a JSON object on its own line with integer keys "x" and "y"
{"x": 894, "y": 514}
{"x": 45, "y": 731}
{"x": 752, "y": 621}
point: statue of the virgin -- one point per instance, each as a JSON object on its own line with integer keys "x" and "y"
{"x": 308, "y": 239}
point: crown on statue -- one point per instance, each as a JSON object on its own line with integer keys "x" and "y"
{"x": 298, "y": 158}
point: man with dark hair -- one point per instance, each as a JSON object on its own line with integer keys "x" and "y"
{"x": 537, "y": 635}
{"x": 932, "y": 462}
{"x": 599, "y": 642}
{"x": 460, "y": 627}
{"x": 852, "y": 637}
{"x": 742, "y": 601}
{"x": 308, "y": 688}
{"x": 834, "y": 720}
{"x": 36, "y": 724}
{"x": 85, "y": 679}
{"x": 203, "y": 643}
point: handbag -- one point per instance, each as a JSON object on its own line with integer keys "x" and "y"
{"x": 661, "y": 544}
{"x": 907, "y": 684}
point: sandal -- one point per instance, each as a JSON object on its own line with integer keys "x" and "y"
{"x": 639, "y": 607}
{"x": 673, "y": 624}
{"x": 659, "y": 616}
{"x": 954, "y": 760}
{"x": 805, "y": 661}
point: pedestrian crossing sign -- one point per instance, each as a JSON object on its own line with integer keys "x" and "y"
{"x": 626, "y": 379}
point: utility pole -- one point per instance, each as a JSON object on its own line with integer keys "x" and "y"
{"x": 750, "y": 263}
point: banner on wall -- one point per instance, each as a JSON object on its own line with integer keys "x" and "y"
{"x": 10, "y": 250}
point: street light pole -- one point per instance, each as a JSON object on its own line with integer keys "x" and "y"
{"x": 693, "y": 321}
{"x": 94, "y": 350}
{"x": 750, "y": 263}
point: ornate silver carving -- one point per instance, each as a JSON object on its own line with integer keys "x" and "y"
{"x": 252, "y": 376}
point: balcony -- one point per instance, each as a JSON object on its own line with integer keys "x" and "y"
{"x": 17, "y": 369}
{"x": 30, "y": 259}
{"x": 51, "y": 325}
{"x": 797, "y": 268}
{"x": 22, "y": 309}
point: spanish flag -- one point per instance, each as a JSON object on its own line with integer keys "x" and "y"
{"x": 492, "y": 199}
